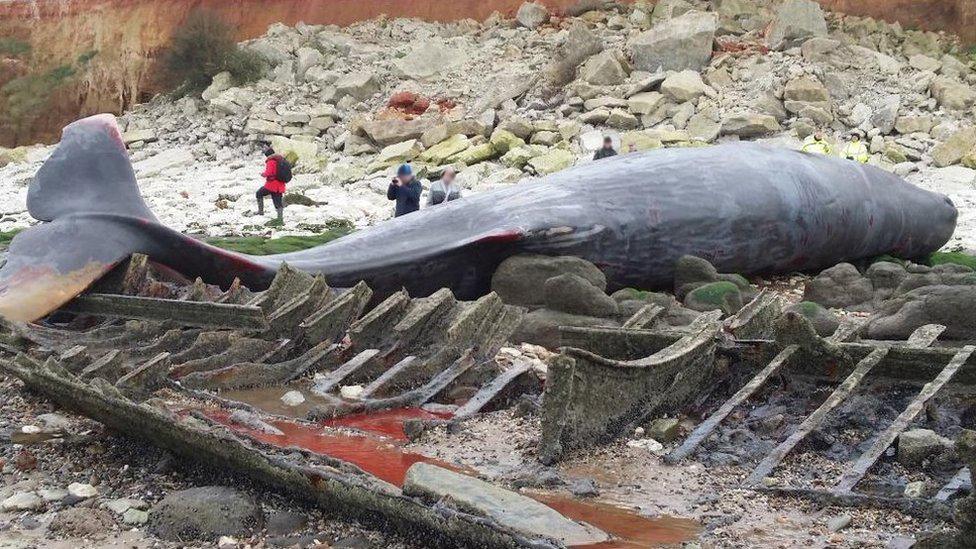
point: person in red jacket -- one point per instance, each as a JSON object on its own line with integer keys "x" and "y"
{"x": 272, "y": 186}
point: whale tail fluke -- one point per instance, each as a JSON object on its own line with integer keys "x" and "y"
{"x": 87, "y": 181}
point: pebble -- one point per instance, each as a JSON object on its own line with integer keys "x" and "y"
{"x": 292, "y": 398}
{"x": 121, "y": 505}
{"x": 915, "y": 489}
{"x": 648, "y": 444}
{"x": 53, "y": 494}
{"x": 82, "y": 491}
{"x": 838, "y": 523}
{"x": 351, "y": 391}
{"x": 226, "y": 542}
{"x": 135, "y": 517}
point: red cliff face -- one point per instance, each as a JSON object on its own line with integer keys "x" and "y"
{"x": 91, "y": 56}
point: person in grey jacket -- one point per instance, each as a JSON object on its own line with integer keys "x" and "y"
{"x": 444, "y": 189}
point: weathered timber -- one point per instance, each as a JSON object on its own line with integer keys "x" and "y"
{"x": 389, "y": 376}
{"x": 886, "y": 438}
{"x": 756, "y": 319}
{"x": 243, "y": 349}
{"x": 255, "y": 374}
{"x": 591, "y": 399}
{"x": 375, "y": 327}
{"x": 335, "y": 486}
{"x": 961, "y": 481}
{"x": 487, "y": 393}
{"x": 188, "y": 313}
{"x": 706, "y": 427}
{"x": 925, "y": 335}
{"x": 644, "y": 317}
{"x": 331, "y": 380}
{"x": 814, "y": 420}
{"x": 917, "y": 507}
{"x": 145, "y": 378}
{"x": 331, "y": 322}
{"x": 286, "y": 318}
{"x": 107, "y": 367}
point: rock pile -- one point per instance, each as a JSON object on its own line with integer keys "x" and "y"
{"x": 488, "y": 98}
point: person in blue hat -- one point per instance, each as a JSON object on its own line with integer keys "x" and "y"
{"x": 406, "y": 190}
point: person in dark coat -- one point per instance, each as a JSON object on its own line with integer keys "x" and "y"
{"x": 607, "y": 150}
{"x": 406, "y": 190}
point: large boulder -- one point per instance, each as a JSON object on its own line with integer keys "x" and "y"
{"x": 606, "y": 68}
{"x": 950, "y": 306}
{"x": 574, "y": 294}
{"x": 691, "y": 272}
{"x": 304, "y": 153}
{"x": 532, "y": 14}
{"x": 796, "y": 21}
{"x": 541, "y": 327}
{"x": 205, "y": 514}
{"x": 806, "y": 89}
{"x": 681, "y": 43}
{"x": 521, "y": 279}
{"x": 953, "y": 149}
{"x": 840, "y": 286}
{"x": 388, "y": 132}
{"x": 552, "y": 161}
{"x": 749, "y": 125}
{"x": 885, "y": 277}
{"x": 951, "y": 93}
{"x": 683, "y": 86}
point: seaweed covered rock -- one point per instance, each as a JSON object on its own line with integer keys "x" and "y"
{"x": 824, "y": 321}
{"x": 965, "y": 509}
{"x": 691, "y": 272}
{"x": 574, "y": 294}
{"x": 840, "y": 286}
{"x": 722, "y": 295}
{"x": 521, "y": 279}
{"x": 631, "y": 300}
{"x": 885, "y": 277}
{"x": 950, "y": 306}
{"x": 205, "y": 513}
{"x": 947, "y": 274}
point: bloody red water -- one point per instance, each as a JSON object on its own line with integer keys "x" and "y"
{"x": 630, "y": 530}
{"x": 388, "y": 423}
{"x": 377, "y": 456}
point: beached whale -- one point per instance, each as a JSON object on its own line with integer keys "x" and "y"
{"x": 747, "y": 208}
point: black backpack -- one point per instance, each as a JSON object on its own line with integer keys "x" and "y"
{"x": 284, "y": 170}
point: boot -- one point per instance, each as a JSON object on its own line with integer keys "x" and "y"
{"x": 281, "y": 215}
{"x": 260, "y": 205}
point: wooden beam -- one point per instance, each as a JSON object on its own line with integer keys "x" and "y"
{"x": 187, "y": 313}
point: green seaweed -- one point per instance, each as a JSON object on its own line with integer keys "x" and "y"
{"x": 259, "y": 245}
{"x": 958, "y": 258}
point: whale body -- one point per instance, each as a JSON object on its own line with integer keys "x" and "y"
{"x": 746, "y": 207}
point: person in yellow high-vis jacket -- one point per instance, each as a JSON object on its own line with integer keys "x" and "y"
{"x": 816, "y": 143}
{"x": 856, "y": 150}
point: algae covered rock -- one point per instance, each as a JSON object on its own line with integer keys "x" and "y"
{"x": 840, "y": 286}
{"x": 521, "y": 279}
{"x": 722, "y": 295}
{"x": 824, "y": 321}
{"x": 574, "y": 294}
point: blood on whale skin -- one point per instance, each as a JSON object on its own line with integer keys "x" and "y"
{"x": 746, "y": 207}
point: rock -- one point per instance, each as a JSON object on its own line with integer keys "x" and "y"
{"x": 22, "y": 501}
{"x": 583, "y": 488}
{"x": 823, "y": 321}
{"x": 669, "y": 9}
{"x": 307, "y": 58}
{"x": 520, "y": 279}
{"x": 121, "y": 505}
{"x": 924, "y": 63}
{"x": 135, "y": 517}
{"x": 439, "y": 153}
{"x": 913, "y": 124}
{"x": 205, "y": 513}
{"x": 397, "y": 154}
{"x": 894, "y": 154}
{"x": 951, "y": 93}
{"x": 838, "y": 523}
{"x": 950, "y": 306}
{"x": 769, "y": 104}
{"x": 885, "y": 114}
{"x": 806, "y": 89}
{"x": 749, "y": 125}
{"x": 917, "y": 445}
{"x": 306, "y": 153}
{"x": 605, "y": 69}
{"x": 796, "y": 21}
{"x": 683, "y": 86}
{"x": 52, "y": 494}
{"x": 507, "y": 508}
{"x": 664, "y": 430}
{"x": 840, "y": 286}
{"x": 283, "y": 522}
{"x": 504, "y": 141}
{"x": 885, "y": 277}
{"x": 622, "y": 120}
{"x": 221, "y": 82}
{"x": 359, "y": 85}
{"x": 647, "y": 444}
{"x": 351, "y": 392}
{"x": 474, "y": 155}
{"x": 570, "y": 293}
{"x": 256, "y": 126}
{"x": 293, "y": 398}
{"x": 81, "y": 491}
{"x": 682, "y": 43}
{"x": 82, "y": 522}
{"x": 645, "y": 102}
{"x": 703, "y": 128}
{"x": 580, "y": 42}
{"x": 532, "y": 14}
{"x": 428, "y": 59}
{"x": 388, "y": 132}
{"x": 145, "y": 135}
{"x": 691, "y": 272}
{"x": 953, "y": 149}
{"x": 915, "y": 490}
{"x": 724, "y": 296}
{"x": 521, "y": 127}
{"x": 552, "y": 161}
